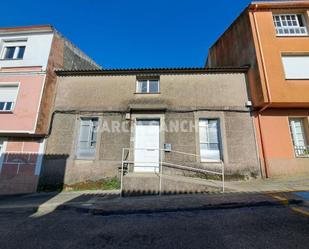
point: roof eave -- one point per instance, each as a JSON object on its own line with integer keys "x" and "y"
{"x": 160, "y": 71}
{"x": 255, "y": 5}
{"x": 27, "y": 29}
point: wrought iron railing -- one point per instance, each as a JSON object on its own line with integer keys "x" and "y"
{"x": 302, "y": 151}
{"x": 128, "y": 160}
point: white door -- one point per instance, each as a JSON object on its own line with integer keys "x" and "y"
{"x": 147, "y": 145}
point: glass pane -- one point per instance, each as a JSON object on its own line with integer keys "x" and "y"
{"x": 298, "y": 133}
{"x": 86, "y": 153}
{"x": 213, "y": 155}
{"x": 203, "y": 122}
{"x": 83, "y": 145}
{"x": 300, "y": 20}
{"x": 203, "y": 152}
{"x": 9, "y": 53}
{"x": 153, "y": 86}
{"x": 148, "y": 122}
{"x": 142, "y": 86}
{"x": 213, "y": 131}
{"x": 21, "y": 52}
{"x": 209, "y": 152}
{"x": 213, "y": 146}
{"x": 84, "y": 132}
{"x": 213, "y": 135}
{"x": 2, "y": 106}
{"x": 203, "y": 135}
{"x": 9, "y": 106}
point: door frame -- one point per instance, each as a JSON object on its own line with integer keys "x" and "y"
{"x": 2, "y": 155}
{"x": 145, "y": 116}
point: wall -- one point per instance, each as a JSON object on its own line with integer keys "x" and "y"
{"x": 284, "y": 93}
{"x": 236, "y": 47}
{"x": 110, "y": 97}
{"x": 177, "y": 92}
{"x": 244, "y": 43}
{"x": 36, "y": 53}
{"x": 63, "y": 55}
{"x": 239, "y": 149}
{"x": 24, "y": 116}
{"x": 20, "y": 165}
{"x": 252, "y": 39}
{"x": 278, "y": 144}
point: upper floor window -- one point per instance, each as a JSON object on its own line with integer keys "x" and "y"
{"x": 86, "y": 147}
{"x": 147, "y": 86}
{"x": 296, "y": 66}
{"x": 299, "y": 136}
{"x": 290, "y": 25}
{"x": 8, "y": 95}
{"x": 13, "y": 52}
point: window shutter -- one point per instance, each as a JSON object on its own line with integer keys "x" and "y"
{"x": 296, "y": 67}
{"x": 8, "y": 93}
{"x": 87, "y": 138}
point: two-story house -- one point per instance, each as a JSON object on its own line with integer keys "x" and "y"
{"x": 28, "y": 57}
{"x": 200, "y": 118}
{"x": 273, "y": 38}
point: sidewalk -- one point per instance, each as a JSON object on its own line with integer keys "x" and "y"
{"x": 239, "y": 194}
{"x": 269, "y": 185}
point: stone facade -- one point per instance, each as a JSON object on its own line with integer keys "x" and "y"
{"x": 24, "y": 128}
{"x": 184, "y": 98}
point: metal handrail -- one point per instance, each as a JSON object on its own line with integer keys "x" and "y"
{"x": 301, "y": 151}
{"x": 161, "y": 163}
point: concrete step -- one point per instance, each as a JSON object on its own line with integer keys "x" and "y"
{"x": 148, "y": 184}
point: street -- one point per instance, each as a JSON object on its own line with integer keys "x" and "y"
{"x": 247, "y": 227}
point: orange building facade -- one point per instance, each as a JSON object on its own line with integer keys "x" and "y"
{"x": 273, "y": 38}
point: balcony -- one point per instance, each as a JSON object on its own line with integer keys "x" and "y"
{"x": 301, "y": 151}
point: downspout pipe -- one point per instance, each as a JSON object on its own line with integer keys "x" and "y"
{"x": 269, "y": 98}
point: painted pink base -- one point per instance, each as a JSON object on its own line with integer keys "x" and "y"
{"x": 23, "y": 117}
{"x": 18, "y": 168}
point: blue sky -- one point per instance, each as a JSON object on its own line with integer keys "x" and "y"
{"x": 132, "y": 33}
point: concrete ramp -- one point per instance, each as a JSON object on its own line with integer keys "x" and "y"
{"x": 148, "y": 184}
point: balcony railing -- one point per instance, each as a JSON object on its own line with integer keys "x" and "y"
{"x": 302, "y": 151}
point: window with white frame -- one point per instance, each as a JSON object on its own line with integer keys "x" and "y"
{"x": 13, "y": 52}
{"x": 290, "y": 25}
{"x": 296, "y": 66}
{"x": 8, "y": 95}
{"x": 1, "y": 147}
{"x": 299, "y": 137}
{"x": 86, "y": 148}
{"x": 147, "y": 86}
{"x": 210, "y": 147}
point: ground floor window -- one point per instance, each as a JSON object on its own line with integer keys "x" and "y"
{"x": 86, "y": 147}
{"x": 1, "y": 147}
{"x": 209, "y": 133}
{"x": 298, "y": 132}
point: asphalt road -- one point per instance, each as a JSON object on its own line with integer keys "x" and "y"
{"x": 257, "y": 227}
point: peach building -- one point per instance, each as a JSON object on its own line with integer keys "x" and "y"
{"x": 273, "y": 38}
{"x": 28, "y": 56}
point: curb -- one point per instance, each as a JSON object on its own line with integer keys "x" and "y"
{"x": 220, "y": 206}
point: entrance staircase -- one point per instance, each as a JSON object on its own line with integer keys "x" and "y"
{"x": 169, "y": 179}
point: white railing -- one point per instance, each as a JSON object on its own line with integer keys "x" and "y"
{"x": 301, "y": 151}
{"x": 128, "y": 159}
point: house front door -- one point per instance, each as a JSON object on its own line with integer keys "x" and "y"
{"x": 147, "y": 145}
